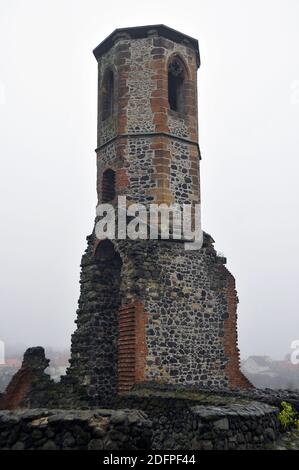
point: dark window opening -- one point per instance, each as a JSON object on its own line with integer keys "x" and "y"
{"x": 108, "y": 186}
{"x": 107, "y": 95}
{"x": 176, "y": 76}
{"x": 105, "y": 251}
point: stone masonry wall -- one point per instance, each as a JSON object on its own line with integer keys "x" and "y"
{"x": 188, "y": 307}
{"x": 181, "y": 332}
{"x": 156, "y": 169}
{"x": 93, "y": 362}
{"x": 233, "y": 427}
{"x": 186, "y": 417}
{"x": 141, "y": 103}
{"x": 42, "y": 429}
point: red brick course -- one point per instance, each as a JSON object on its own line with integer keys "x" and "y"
{"x": 131, "y": 345}
{"x": 17, "y": 390}
{"x": 235, "y": 376}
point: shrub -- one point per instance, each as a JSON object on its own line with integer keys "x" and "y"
{"x": 288, "y": 416}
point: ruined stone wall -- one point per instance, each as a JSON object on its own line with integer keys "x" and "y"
{"x": 30, "y": 386}
{"x": 94, "y": 343}
{"x": 185, "y": 329}
{"x": 156, "y": 312}
{"x": 188, "y": 307}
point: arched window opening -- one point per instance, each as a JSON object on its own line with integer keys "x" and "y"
{"x": 106, "y": 252}
{"x": 176, "y": 77}
{"x": 108, "y": 185}
{"x": 107, "y": 95}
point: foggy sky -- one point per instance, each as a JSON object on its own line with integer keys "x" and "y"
{"x": 248, "y": 133}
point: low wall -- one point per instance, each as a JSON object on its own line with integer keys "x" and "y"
{"x": 72, "y": 429}
{"x": 196, "y": 422}
{"x": 237, "y": 426}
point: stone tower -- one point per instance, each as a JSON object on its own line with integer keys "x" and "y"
{"x": 149, "y": 310}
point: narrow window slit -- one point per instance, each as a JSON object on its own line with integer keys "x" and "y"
{"x": 107, "y": 95}
{"x": 108, "y": 185}
{"x": 176, "y": 78}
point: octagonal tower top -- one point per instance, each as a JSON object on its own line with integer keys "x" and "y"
{"x": 138, "y": 32}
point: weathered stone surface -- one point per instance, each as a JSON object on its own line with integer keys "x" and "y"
{"x": 222, "y": 424}
{"x": 188, "y": 418}
{"x": 73, "y": 429}
{"x": 167, "y": 424}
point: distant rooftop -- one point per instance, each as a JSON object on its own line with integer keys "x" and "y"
{"x": 138, "y": 32}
